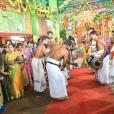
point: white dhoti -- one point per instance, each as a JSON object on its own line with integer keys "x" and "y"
{"x": 39, "y": 75}
{"x": 103, "y": 72}
{"x": 56, "y": 79}
{"x": 65, "y": 74}
{"x": 112, "y": 72}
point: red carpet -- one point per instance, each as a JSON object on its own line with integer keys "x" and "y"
{"x": 86, "y": 96}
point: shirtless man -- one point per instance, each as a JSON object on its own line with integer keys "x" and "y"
{"x": 38, "y": 70}
{"x": 51, "y": 39}
{"x": 56, "y": 79}
{"x": 102, "y": 51}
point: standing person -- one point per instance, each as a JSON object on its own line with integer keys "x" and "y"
{"x": 1, "y": 100}
{"x": 2, "y": 48}
{"x": 33, "y": 49}
{"x": 76, "y": 39}
{"x": 112, "y": 60}
{"x": 101, "y": 75}
{"x": 37, "y": 65}
{"x": 56, "y": 78}
{"x": 29, "y": 44}
{"x": 27, "y": 56}
{"x": 5, "y": 82}
{"x": 25, "y": 79}
{"x": 86, "y": 53}
{"x": 51, "y": 39}
{"x": 14, "y": 71}
{"x": 93, "y": 43}
{"x": 6, "y": 49}
{"x": 34, "y": 46}
{"x": 50, "y": 34}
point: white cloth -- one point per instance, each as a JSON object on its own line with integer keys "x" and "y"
{"x": 112, "y": 68}
{"x": 39, "y": 75}
{"x": 112, "y": 71}
{"x": 76, "y": 41}
{"x": 103, "y": 72}
{"x": 56, "y": 79}
{"x": 1, "y": 50}
{"x": 65, "y": 74}
{"x": 93, "y": 46}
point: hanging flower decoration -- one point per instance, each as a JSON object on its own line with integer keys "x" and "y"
{"x": 57, "y": 14}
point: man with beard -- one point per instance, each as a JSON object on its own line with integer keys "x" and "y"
{"x": 38, "y": 70}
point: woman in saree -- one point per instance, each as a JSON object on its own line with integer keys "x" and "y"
{"x": 13, "y": 60}
{"x": 1, "y": 100}
{"x": 25, "y": 79}
{"x": 27, "y": 56}
{"x": 86, "y": 49}
{"x": 5, "y": 82}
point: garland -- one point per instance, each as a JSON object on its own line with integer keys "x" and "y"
{"x": 55, "y": 14}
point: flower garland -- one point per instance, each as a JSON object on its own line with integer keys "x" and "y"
{"x": 44, "y": 11}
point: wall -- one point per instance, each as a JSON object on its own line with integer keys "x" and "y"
{"x": 11, "y": 22}
{"x": 4, "y": 39}
{"x": 43, "y": 26}
{"x": 28, "y": 24}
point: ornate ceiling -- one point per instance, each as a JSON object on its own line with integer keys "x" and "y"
{"x": 94, "y": 3}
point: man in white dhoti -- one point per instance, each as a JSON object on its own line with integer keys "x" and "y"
{"x": 112, "y": 64}
{"x": 37, "y": 65}
{"x": 56, "y": 79}
{"x": 65, "y": 72}
{"x": 101, "y": 75}
{"x": 76, "y": 40}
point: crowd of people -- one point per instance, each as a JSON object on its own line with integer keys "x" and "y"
{"x": 47, "y": 63}
{"x": 97, "y": 47}
{"x": 26, "y": 63}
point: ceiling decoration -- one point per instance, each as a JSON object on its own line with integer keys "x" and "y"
{"x": 70, "y": 8}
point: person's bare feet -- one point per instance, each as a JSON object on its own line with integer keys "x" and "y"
{"x": 96, "y": 80}
{"x": 63, "y": 98}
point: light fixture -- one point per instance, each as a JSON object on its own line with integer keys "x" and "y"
{"x": 15, "y": 38}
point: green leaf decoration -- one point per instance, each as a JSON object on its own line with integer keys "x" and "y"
{"x": 44, "y": 2}
{"x": 95, "y": 19}
{"x": 63, "y": 32}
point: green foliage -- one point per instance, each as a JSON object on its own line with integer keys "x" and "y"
{"x": 110, "y": 9}
{"x": 63, "y": 32}
{"x": 59, "y": 2}
{"x": 41, "y": 1}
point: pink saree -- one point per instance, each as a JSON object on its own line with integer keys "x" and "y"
{"x": 27, "y": 56}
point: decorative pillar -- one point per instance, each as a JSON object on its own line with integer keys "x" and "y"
{"x": 110, "y": 27}
{"x": 34, "y": 21}
{"x": 73, "y": 26}
{"x": 107, "y": 31}
{"x": 66, "y": 21}
{"x": 102, "y": 29}
{"x": 55, "y": 26}
{"x": 28, "y": 24}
